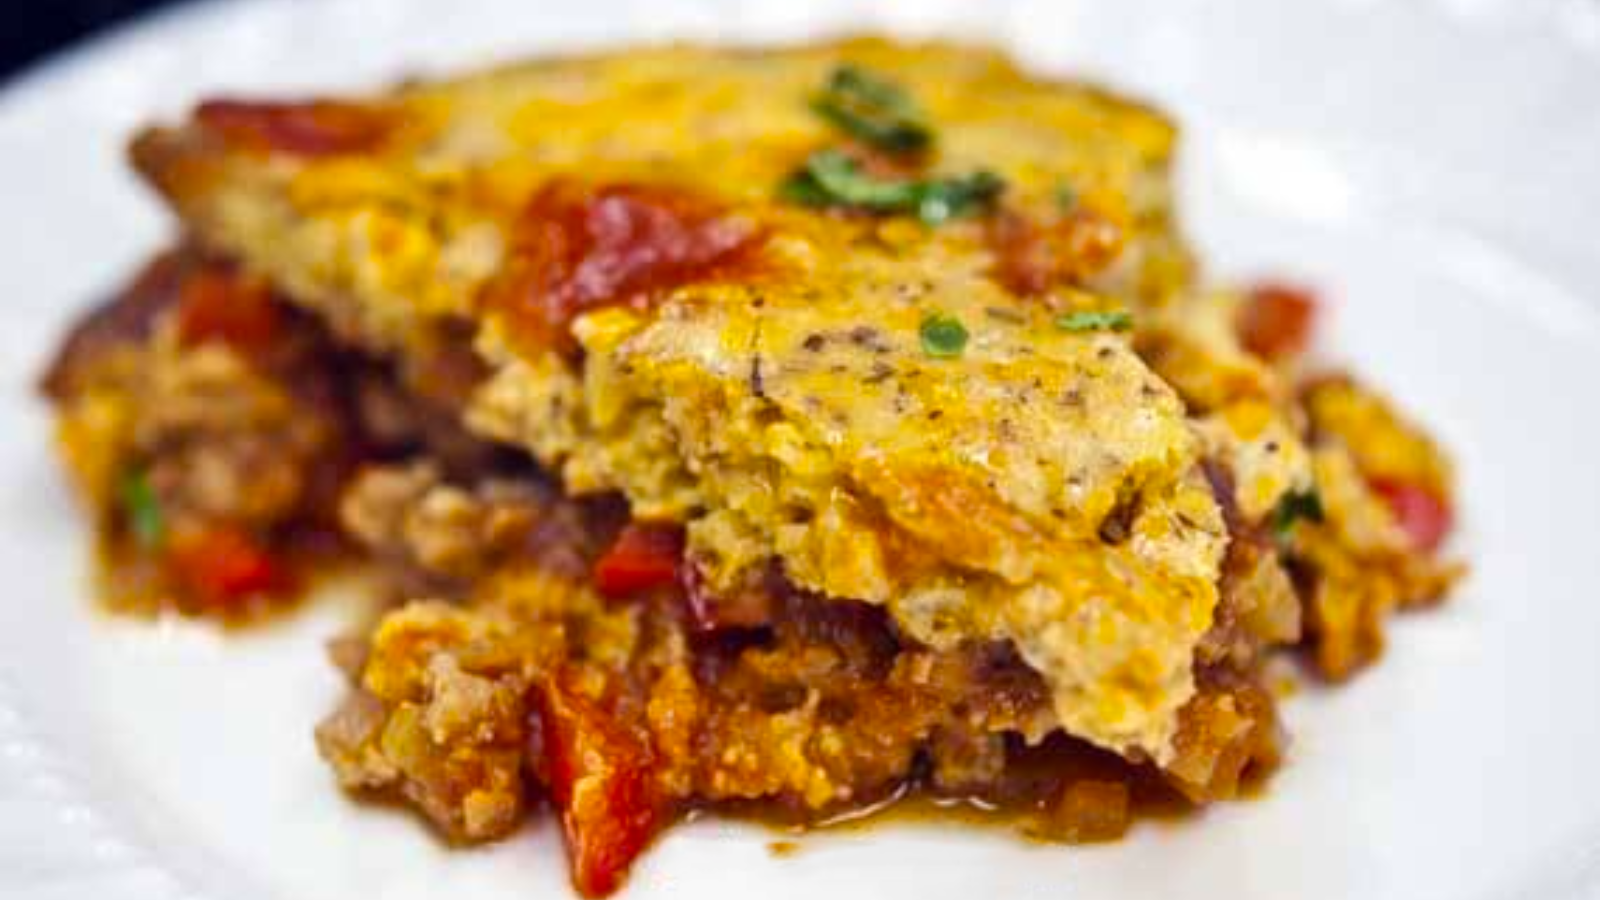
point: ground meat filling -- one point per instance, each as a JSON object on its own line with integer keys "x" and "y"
{"x": 209, "y": 425}
{"x": 819, "y": 708}
{"x": 213, "y": 427}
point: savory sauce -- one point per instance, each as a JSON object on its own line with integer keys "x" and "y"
{"x": 1061, "y": 791}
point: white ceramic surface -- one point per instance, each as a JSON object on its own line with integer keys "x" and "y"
{"x": 1435, "y": 165}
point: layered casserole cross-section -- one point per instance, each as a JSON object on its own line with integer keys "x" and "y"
{"x": 793, "y": 428}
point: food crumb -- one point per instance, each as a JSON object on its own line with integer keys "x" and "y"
{"x": 1281, "y": 678}
{"x": 783, "y": 849}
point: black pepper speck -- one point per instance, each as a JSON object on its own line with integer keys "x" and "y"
{"x": 881, "y": 371}
{"x": 757, "y": 383}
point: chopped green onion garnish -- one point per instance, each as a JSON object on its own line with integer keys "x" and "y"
{"x": 943, "y": 336}
{"x": 1115, "y": 320}
{"x": 143, "y": 509}
{"x": 831, "y": 178}
{"x": 1294, "y": 506}
{"x": 873, "y": 110}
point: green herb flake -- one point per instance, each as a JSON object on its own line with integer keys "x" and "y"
{"x": 143, "y": 510}
{"x": 941, "y": 199}
{"x": 1066, "y": 197}
{"x": 832, "y": 178}
{"x": 943, "y": 336}
{"x": 1294, "y": 506}
{"x": 873, "y": 110}
{"x": 1115, "y": 320}
{"x": 804, "y": 189}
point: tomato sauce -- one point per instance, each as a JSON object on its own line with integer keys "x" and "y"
{"x": 309, "y": 128}
{"x": 1033, "y": 256}
{"x": 578, "y": 248}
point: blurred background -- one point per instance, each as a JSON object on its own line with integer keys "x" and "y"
{"x": 30, "y": 30}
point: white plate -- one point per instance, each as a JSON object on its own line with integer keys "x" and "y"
{"x": 1435, "y": 165}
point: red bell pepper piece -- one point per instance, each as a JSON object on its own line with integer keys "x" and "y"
{"x": 643, "y": 557}
{"x": 223, "y": 565}
{"x": 224, "y": 306}
{"x": 1276, "y": 320}
{"x": 1423, "y": 515}
{"x": 599, "y": 777}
